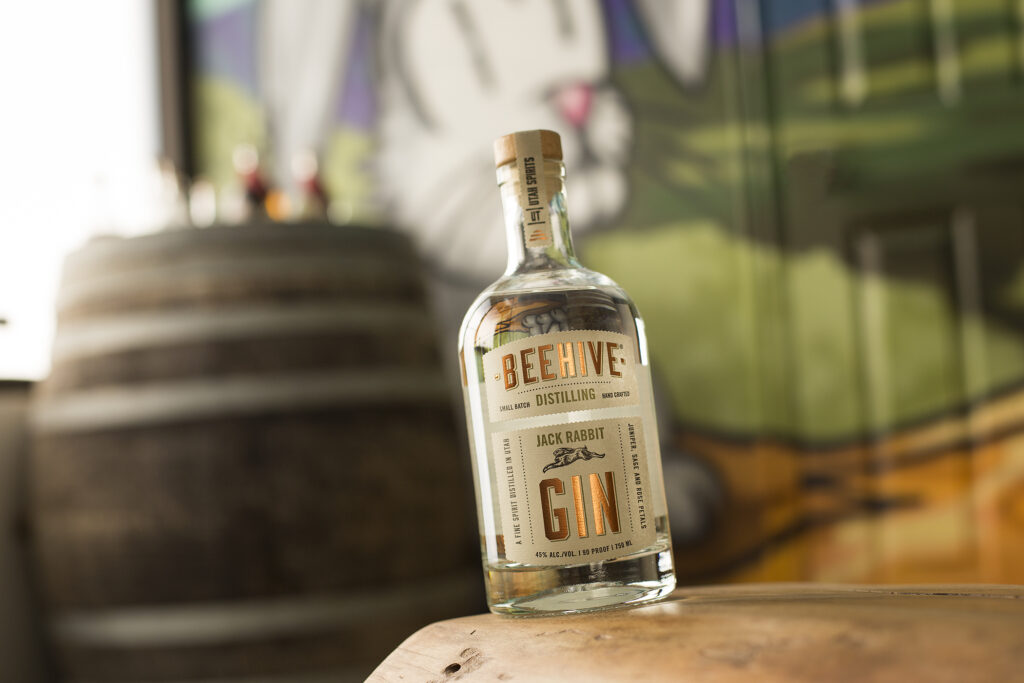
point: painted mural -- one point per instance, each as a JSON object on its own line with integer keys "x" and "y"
{"x": 815, "y": 205}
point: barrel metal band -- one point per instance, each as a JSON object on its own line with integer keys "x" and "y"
{"x": 184, "y": 400}
{"x": 247, "y": 621}
{"x": 140, "y": 330}
{"x": 197, "y": 277}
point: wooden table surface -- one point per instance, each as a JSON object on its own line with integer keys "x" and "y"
{"x": 753, "y": 632}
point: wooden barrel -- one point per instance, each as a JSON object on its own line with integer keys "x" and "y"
{"x": 245, "y": 451}
{"x": 767, "y": 632}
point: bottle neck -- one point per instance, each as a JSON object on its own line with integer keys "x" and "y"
{"x": 532, "y": 245}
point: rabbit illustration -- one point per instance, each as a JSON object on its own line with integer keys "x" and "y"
{"x": 567, "y": 456}
{"x": 457, "y": 74}
{"x": 452, "y": 76}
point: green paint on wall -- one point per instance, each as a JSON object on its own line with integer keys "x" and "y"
{"x": 708, "y": 348}
{"x": 203, "y": 10}
{"x": 346, "y": 171}
{"x": 230, "y": 118}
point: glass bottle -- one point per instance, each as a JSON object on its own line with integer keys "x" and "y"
{"x": 560, "y": 413}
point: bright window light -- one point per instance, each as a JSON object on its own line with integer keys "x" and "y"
{"x": 78, "y": 138}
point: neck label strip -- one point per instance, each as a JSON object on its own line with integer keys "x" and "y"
{"x": 532, "y": 193}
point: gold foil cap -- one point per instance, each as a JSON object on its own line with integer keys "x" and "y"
{"x": 505, "y": 146}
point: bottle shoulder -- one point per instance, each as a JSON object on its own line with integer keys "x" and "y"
{"x": 553, "y": 279}
{"x": 538, "y": 303}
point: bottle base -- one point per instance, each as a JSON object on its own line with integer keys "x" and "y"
{"x": 581, "y": 588}
{"x": 593, "y": 597}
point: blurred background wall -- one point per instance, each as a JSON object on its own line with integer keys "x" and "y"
{"x": 814, "y": 203}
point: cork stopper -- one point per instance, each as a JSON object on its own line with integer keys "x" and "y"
{"x": 505, "y": 146}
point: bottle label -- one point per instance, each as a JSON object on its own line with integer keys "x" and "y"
{"x": 533, "y": 196}
{"x": 560, "y": 372}
{"x": 574, "y": 493}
